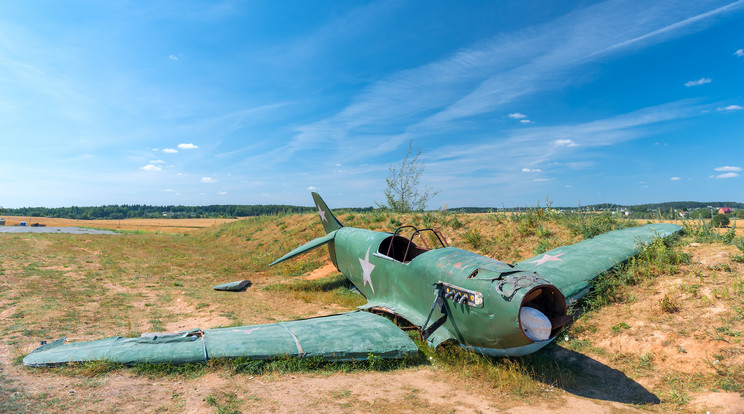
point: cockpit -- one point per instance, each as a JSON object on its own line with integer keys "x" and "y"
{"x": 402, "y": 249}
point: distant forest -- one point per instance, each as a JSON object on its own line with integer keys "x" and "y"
{"x": 118, "y": 212}
{"x": 668, "y": 210}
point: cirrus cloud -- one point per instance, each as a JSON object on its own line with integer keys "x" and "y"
{"x": 565, "y": 143}
{"x": 731, "y": 108}
{"x": 727, "y": 175}
{"x": 728, "y": 168}
{"x": 701, "y": 81}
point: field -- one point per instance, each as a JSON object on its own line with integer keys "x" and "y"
{"x": 151, "y": 225}
{"x": 663, "y": 333}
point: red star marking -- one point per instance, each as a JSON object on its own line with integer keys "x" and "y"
{"x": 548, "y": 258}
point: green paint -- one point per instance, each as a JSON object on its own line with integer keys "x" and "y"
{"x": 449, "y": 293}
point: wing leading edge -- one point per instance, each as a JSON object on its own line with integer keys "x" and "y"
{"x": 343, "y": 337}
{"x": 570, "y": 268}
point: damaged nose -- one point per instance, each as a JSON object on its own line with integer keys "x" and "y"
{"x": 535, "y": 324}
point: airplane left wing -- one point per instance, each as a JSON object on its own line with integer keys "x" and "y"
{"x": 571, "y": 268}
{"x": 348, "y": 336}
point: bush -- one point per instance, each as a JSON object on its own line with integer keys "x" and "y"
{"x": 720, "y": 220}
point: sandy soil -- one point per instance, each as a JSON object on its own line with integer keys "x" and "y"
{"x": 679, "y": 343}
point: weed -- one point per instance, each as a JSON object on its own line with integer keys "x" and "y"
{"x": 474, "y": 237}
{"x": 225, "y": 403}
{"x": 620, "y": 327}
{"x": 668, "y": 304}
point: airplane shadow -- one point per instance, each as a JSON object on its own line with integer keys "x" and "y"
{"x": 592, "y": 379}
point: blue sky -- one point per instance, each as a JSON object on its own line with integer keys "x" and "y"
{"x": 257, "y": 102}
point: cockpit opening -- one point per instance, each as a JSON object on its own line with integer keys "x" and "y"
{"x": 404, "y": 249}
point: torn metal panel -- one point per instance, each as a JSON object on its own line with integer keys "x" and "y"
{"x": 236, "y": 286}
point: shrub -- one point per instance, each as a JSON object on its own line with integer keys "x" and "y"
{"x": 720, "y": 220}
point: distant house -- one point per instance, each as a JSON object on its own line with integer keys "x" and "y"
{"x": 2, "y": 221}
{"x": 683, "y": 213}
{"x": 725, "y": 210}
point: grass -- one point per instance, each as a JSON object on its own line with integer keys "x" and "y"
{"x": 89, "y": 287}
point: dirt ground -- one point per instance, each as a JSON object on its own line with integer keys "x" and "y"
{"x": 627, "y": 370}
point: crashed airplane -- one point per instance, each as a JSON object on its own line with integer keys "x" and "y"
{"x": 448, "y": 294}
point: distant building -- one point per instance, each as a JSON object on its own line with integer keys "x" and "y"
{"x": 725, "y": 210}
{"x": 2, "y": 221}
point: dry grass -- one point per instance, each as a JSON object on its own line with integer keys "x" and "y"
{"x": 149, "y": 225}
{"x": 618, "y": 356}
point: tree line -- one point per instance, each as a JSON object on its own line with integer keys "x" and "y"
{"x": 118, "y": 212}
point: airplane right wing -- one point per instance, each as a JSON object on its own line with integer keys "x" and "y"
{"x": 571, "y": 268}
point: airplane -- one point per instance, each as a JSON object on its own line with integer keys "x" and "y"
{"x": 446, "y": 293}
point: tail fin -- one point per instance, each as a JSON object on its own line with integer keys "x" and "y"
{"x": 330, "y": 222}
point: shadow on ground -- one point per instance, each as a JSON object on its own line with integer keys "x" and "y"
{"x": 592, "y": 379}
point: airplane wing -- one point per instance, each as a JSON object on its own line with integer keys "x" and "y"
{"x": 570, "y": 268}
{"x": 348, "y": 336}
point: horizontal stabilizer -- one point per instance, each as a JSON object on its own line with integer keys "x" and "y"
{"x": 571, "y": 268}
{"x": 343, "y": 337}
{"x": 312, "y": 244}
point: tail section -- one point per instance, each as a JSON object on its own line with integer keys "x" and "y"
{"x": 330, "y": 222}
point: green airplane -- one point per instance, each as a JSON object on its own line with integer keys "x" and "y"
{"x": 448, "y": 294}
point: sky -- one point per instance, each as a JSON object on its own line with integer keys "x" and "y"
{"x": 511, "y": 103}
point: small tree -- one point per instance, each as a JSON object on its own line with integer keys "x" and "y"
{"x": 720, "y": 220}
{"x": 401, "y": 185}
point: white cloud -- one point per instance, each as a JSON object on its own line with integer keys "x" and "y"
{"x": 675, "y": 179}
{"x": 728, "y": 168}
{"x": 187, "y": 146}
{"x": 222, "y": 193}
{"x": 169, "y": 150}
{"x": 311, "y": 188}
{"x": 565, "y": 143}
{"x": 568, "y": 186}
{"x": 531, "y": 170}
{"x": 517, "y": 115}
{"x": 727, "y": 175}
{"x": 731, "y": 108}
{"x": 173, "y": 57}
{"x": 169, "y": 190}
{"x": 541, "y": 179}
{"x": 150, "y": 167}
{"x": 739, "y": 52}
{"x": 208, "y": 180}
{"x": 157, "y": 162}
{"x": 526, "y": 121}
{"x": 701, "y": 81}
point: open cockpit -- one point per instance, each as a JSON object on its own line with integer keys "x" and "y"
{"x": 403, "y": 249}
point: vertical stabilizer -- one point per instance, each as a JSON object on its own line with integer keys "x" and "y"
{"x": 330, "y": 222}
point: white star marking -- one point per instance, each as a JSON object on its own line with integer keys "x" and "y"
{"x": 549, "y": 258}
{"x": 367, "y": 268}
{"x": 321, "y": 213}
